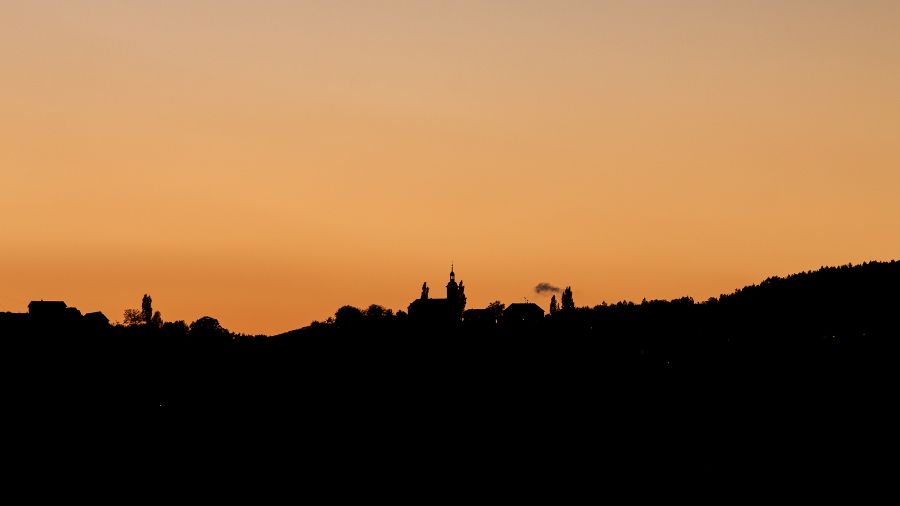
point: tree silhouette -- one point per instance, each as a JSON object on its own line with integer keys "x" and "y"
{"x": 146, "y": 308}
{"x": 348, "y": 317}
{"x": 145, "y": 315}
{"x": 207, "y": 327}
{"x": 376, "y": 311}
{"x": 568, "y": 300}
{"x": 461, "y": 297}
{"x": 133, "y": 317}
{"x": 496, "y": 309}
{"x": 554, "y": 305}
{"x": 178, "y": 329}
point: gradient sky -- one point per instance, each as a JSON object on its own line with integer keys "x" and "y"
{"x": 266, "y": 162}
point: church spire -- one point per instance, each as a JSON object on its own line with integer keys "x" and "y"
{"x": 452, "y": 287}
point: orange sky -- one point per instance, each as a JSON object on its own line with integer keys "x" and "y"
{"x": 265, "y": 162}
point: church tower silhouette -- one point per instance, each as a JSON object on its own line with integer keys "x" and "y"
{"x": 452, "y": 287}
{"x": 446, "y": 311}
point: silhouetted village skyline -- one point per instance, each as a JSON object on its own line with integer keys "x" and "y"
{"x": 452, "y": 310}
{"x": 835, "y": 320}
{"x": 449, "y": 311}
{"x": 427, "y": 311}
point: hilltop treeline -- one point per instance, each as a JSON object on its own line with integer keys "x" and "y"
{"x": 836, "y": 322}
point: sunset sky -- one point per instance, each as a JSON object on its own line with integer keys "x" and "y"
{"x": 265, "y": 162}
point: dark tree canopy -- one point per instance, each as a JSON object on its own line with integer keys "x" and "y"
{"x": 554, "y": 305}
{"x": 144, "y": 315}
{"x": 376, "y": 311}
{"x": 207, "y": 326}
{"x": 461, "y": 297}
{"x": 348, "y": 317}
{"x": 133, "y": 317}
{"x": 568, "y": 300}
{"x": 146, "y": 308}
{"x": 496, "y": 309}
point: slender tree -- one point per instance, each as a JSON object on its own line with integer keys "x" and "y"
{"x": 462, "y": 297}
{"x": 147, "y": 308}
{"x": 568, "y": 300}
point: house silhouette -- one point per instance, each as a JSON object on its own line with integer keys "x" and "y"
{"x": 47, "y": 310}
{"x": 522, "y": 314}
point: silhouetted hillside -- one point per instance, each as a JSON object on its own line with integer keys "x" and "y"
{"x": 833, "y": 324}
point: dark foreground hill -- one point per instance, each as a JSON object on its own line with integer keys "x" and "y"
{"x": 824, "y": 333}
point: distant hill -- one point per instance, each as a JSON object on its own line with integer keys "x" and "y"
{"x": 836, "y": 300}
{"x": 832, "y": 324}
{"x": 875, "y": 285}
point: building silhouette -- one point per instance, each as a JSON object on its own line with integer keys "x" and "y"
{"x": 522, "y": 315}
{"x": 47, "y": 310}
{"x": 57, "y": 312}
{"x": 448, "y": 311}
{"x": 96, "y": 318}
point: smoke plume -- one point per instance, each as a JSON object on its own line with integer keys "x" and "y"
{"x": 546, "y": 287}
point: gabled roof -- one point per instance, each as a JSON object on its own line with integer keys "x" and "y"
{"x": 428, "y": 301}
{"x": 97, "y": 315}
{"x": 524, "y": 305}
{"x": 47, "y": 304}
